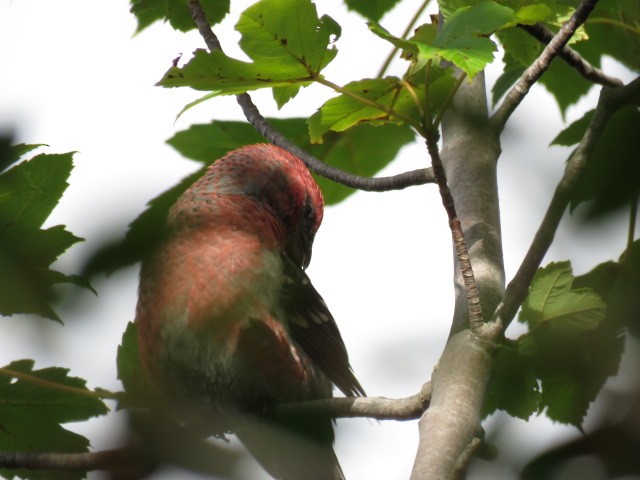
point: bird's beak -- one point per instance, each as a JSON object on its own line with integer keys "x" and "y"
{"x": 299, "y": 249}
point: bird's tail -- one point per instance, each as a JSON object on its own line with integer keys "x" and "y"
{"x": 288, "y": 454}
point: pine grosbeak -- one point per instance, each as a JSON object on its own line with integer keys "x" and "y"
{"x": 228, "y": 321}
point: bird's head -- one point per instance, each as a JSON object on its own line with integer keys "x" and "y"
{"x": 281, "y": 183}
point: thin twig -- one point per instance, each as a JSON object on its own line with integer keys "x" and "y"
{"x": 379, "y": 408}
{"x": 262, "y": 126}
{"x": 72, "y": 462}
{"x": 471, "y": 289}
{"x": 572, "y": 58}
{"x": 611, "y": 100}
{"x": 540, "y": 65}
{"x": 370, "y": 103}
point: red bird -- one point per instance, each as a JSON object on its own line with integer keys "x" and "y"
{"x": 229, "y": 323}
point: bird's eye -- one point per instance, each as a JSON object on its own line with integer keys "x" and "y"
{"x": 309, "y": 212}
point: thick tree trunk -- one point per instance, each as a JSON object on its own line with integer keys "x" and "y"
{"x": 469, "y": 154}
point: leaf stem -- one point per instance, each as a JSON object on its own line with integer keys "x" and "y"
{"x": 412, "y": 22}
{"x": 59, "y": 386}
{"x": 615, "y": 23}
{"x": 370, "y": 103}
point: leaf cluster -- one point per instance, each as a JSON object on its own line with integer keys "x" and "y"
{"x": 574, "y": 343}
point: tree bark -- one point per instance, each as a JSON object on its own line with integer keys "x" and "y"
{"x": 469, "y": 153}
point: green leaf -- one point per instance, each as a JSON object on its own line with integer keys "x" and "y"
{"x": 343, "y": 112}
{"x": 130, "y": 372}
{"x": 15, "y": 152}
{"x": 551, "y": 301}
{"x": 618, "y": 284}
{"x": 565, "y": 84}
{"x": 574, "y": 342}
{"x": 288, "y": 32}
{"x": 371, "y": 9}
{"x": 549, "y": 282}
{"x": 228, "y": 76}
{"x": 530, "y": 14}
{"x": 176, "y": 12}
{"x": 521, "y": 49}
{"x": 362, "y": 150}
{"x": 611, "y": 180}
{"x": 513, "y": 386}
{"x": 573, "y": 369}
{"x": 288, "y": 43}
{"x": 32, "y": 412}
{"x": 574, "y": 132}
{"x": 505, "y": 82}
{"x": 283, "y": 94}
{"x": 613, "y": 29}
{"x": 463, "y": 39}
{"x": 29, "y": 191}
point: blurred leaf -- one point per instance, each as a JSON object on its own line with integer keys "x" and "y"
{"x": 573, "y": 133}
{"x": 614, "y": 30}
{"x": 15, "y": 152}
{"x": 505, "y": 82}
{"x": 130, "y": 371}
{"x": 573, "y": 342}
{"x": 29, "y": 191}
{"x": 372, "y": 9}
{"x": 612, "y": 178}
{"x": 32, "y": 412}
{"x": 565, "y": 84}
{"x": 176, "y": 12}
{"x": 144, "y": 232}
{"x": 513, "y": 386}
{"x": 618, "y": 283}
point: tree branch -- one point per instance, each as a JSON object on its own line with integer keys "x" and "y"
{"x": 380, "y": 408}
{"x": 251, "y": 112}
{"x": 610, "y": 101}
{"x": 460, "y": 247}
{"x": 73, "y": 462}
{"x": 540, "y": 65}
{"x": 572, "y": 58}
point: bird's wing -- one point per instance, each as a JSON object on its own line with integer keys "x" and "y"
{"x": 314, "y": 329}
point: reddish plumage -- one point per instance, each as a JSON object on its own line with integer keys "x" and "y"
{"x": 228, "y": 321}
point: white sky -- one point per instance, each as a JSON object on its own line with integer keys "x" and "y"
{"x": 72, "y": 76}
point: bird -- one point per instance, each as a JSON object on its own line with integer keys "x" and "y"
{"x": 229, "y": 324}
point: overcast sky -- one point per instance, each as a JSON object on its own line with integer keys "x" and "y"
{"x": 73, "y": 76}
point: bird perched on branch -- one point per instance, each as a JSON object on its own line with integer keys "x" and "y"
{"x": 229, "y": 323}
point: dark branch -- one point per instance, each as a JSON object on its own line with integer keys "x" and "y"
{"x": 251, "y": 112}
{"x": 573, "y": 58}
{"x": 610, "y": 101}
{"x": 540, "y": 65}
{"x": 380, "y": 408}
{"x": 88, "y": 461}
